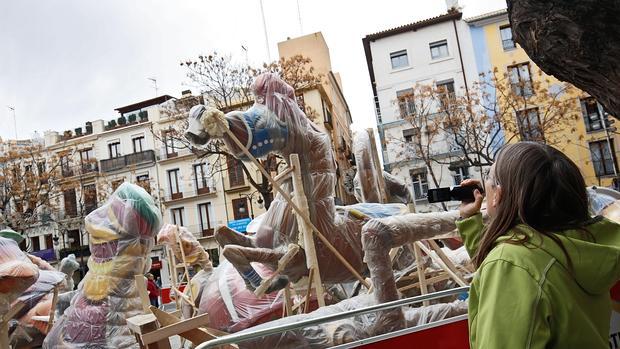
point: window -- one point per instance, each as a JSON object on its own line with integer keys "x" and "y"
{"x": 420, "y": 183}
{"x": 235, "y": 172}
{"x": 171, "y": 148}
{"x": 591, "y": 115}
{"x": 603, "y": 158}
{"x": 461, "y": 173}
{"x": 87, "y": 159}
{"x": 144, "y": 182}
{"x": 177, "y": 216}
{"x": 70, "y": 203}
{"x": 520, "y": 79}
{"x": 49, "y": 241}
{"x": 399, "y": 59}
{"x": 36, "y": 244}
{"x": 409, "y": 134}
{"x": 90, "y": 198}
{"x": 73, "y": 239}
{"x": 439, "y": 49}
{"x": 205, "y": 212}
{"x": 406, "y": 102}
{"x": 529, "y": 125}
{"x": 200, "y": 178}
{"x": 505, "y": 32}
{"x": 173, "y": 182}
{"x": 240, "y": 208}
{"x": 65, "y": 166}
{"x": 446, "y": 93}
{"x": 41, "y": 167}
{"x": 138, "y": 144}
{"x": 114, "y": 149}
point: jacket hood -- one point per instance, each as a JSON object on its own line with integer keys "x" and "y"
{"x": 593, "y": 251}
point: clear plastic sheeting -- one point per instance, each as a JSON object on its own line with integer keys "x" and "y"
{"x": 68, "y": 266}
{"x": 381, "y": 235}
{"x": 17, "y": 273}
{"x": 397, "y": 190}
{"x": 122, "y": 235}
{"x": 231, "y": 306}
{"x": 192, "y": 249}
{"x": 346, "y": 330}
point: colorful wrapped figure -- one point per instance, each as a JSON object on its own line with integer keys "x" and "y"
{"x": 122, "y": 234}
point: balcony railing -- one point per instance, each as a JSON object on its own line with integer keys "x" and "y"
{"x": 82, "y": 169}
{"x": 141, "y": 158}
{"x": 190, "y": 193}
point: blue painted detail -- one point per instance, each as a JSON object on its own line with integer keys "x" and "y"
{"x": 239, "y": 225}
{"x": 268, "y": 133}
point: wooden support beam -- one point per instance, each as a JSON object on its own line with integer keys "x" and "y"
{"x": 383, "y": 196}
{"x": 421, "y": 276}
{"x": 284, "y": 175}
{"x": 174, "y": 329}
{"x": 282, "y": 263}
{"x": 307, "y": 298}
{"x": 185, "y": 268}
{"x": 289, "y": 200}
{"x": 50, "y": 322}
{"x": 194, "y": 335}
{"x": 142, "y": 325}
{"x": 288, "y": 302}
{"x": 305, "y": 230}
{"x": 459, "y": 280}
{"x": 429, "y": 281}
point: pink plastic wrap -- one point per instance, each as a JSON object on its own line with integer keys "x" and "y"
{"x": 193, "y": 250}
{"x": 17, "y": 272}
{"x": 122, "y": 233}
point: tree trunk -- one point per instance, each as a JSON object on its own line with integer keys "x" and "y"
{"x": 575, "y": 41}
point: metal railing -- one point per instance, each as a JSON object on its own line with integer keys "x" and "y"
{"x": 240, "y": 337}
{"x": 113, "y": 164}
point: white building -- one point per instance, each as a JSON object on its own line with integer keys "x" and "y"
{"x": 436, "y": 51}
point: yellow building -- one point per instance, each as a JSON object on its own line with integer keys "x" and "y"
{"x": 586, "y": 138}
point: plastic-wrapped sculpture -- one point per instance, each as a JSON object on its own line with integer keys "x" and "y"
{"x": 68, "y": 266}
{"x": 122, "y": 233}
{"x": 276, "y": 124}
{"x": 27, "y": 279}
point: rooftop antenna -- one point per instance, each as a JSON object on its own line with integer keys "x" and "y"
{"x": 14, "y": 119}
{"x": 262, "y": 11}
{"x": 154, "y": 80}
{"x": 301, "y": 28}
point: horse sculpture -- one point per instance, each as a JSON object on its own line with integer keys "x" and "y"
{"x": 276, "y": 124}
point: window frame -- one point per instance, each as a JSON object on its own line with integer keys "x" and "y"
{"x": 174, "y": 194}
{"x": 438, "y": 45}
{"x": 502, "y": 28}
{"x": 422, "y": 182}
{"x": 588, "y": 120}
{"x": 604, "y": 147}
{"x": 236, "y": 204}
{"x": 529, "y": 136}
{"x": 201, "y": 182}
{"x": 141, "y": 140}
{"x": 205, "y": 227}
{"x": 406, "y": 102}
{"x": 116, "y": 145}
{"x": 181, "y": 212}
{"x": 398, "y": 56}
{"x": 521, "y": 87}
{"x": 236, "y": 178}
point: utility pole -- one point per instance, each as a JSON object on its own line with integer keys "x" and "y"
{"x": 245, "y": 51}
{"x": 154, "y": 80}
{"x": 14, "y": 119}
{"x": 262, "y": 11}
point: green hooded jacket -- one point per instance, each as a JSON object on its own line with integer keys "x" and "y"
{"x": 526, "y": 296}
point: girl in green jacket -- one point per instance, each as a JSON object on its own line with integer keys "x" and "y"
{"x": 545, "y": 266}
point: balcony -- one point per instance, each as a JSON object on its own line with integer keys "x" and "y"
{"x": 189, "y": 194}
{"x": 121, "y": 162}
{"x": 85, "y": 168}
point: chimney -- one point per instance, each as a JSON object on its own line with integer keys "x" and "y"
{"x": 50, "y": 138}
{"x": 186, "y": 93}
{"x": 452, "y": 5}
{"x": 97, "y": 126}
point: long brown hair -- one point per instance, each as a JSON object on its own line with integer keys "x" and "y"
{"x": 542, "y": 188}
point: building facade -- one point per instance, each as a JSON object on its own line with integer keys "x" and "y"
{"x": 328, "y": 106}
{"x": 433, "y": 52}
{"x": 589, "y": 140}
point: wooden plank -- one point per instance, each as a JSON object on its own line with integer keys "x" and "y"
{"x": 288, "y": 302}
{"x": 307, "y": 298}
{"x": 441, "y": 263}
{"x": 379, "y": 171}
{"x": 295, "y": 208}
{"x": 172, "y": 268}
{"x": 421, "y": 276}
{"x": 174, "y": 329}
{"x": 184, "y": 260}
{"x": 282, "y": 263}
{"x": 284, "y": 175}
{"x": 429, "y": 281}
{"x": 137, "y": 323}
{"x": 50, "y": 322}
{"x": 305, "y": 230}
{"x": 194, "y": 335}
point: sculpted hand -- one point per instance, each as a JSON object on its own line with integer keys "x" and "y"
{"x": 214, "y": 122}
{"x": 468, "y": 209}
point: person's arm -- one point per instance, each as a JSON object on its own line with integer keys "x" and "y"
{"x": 512, "y": 310}
{"x": 470, "y": 229}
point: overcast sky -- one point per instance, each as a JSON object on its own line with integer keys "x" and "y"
{"x": 63, "y": 63}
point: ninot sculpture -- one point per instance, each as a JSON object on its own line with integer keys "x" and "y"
{"x": 122, "y": 234}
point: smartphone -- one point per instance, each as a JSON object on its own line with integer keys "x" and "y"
{"x": 458, "y": 193}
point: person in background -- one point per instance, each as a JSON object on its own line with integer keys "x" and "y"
{"x": 153, "y": 290}
{"x": 545, "y": 266}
